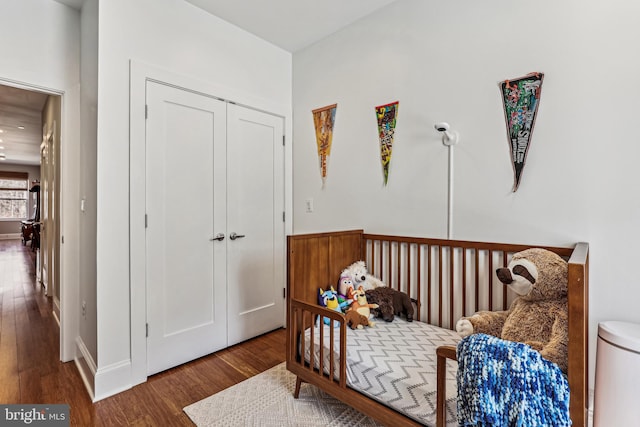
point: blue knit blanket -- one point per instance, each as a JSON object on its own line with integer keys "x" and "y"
{"x": 504, "y": 383}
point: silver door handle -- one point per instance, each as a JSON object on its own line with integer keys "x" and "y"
{"x": 234, "y": 236}
{"x": 218, "y": 237}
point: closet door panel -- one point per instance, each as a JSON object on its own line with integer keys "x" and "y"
{"x": 255, "y": 196}
{"x": 186, "y": 208}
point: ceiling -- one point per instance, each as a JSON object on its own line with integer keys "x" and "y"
{"x": 19, "y": 107}
{"x": 76, "y": 4}
{"x": 289, "y": 24}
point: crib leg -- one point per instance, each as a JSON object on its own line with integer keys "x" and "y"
{"x": 296, "y": 393}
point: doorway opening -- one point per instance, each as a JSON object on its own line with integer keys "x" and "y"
{"x": 30, "y": 129}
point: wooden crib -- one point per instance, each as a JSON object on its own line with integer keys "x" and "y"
{"x": 446, "y": 278}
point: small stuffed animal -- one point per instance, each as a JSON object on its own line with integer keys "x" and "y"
{"x": 538, "y": 316}
{"x": 391, "y": 302}
{"x": 360, "y": 303}
{"x": 360, "y": 277}
{"x": 344, "y": 284}
{"x": 329, "y": 299}
{"x": 356, "y": 320}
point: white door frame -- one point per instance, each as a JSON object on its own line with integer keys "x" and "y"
{"x": 140, "y": 73}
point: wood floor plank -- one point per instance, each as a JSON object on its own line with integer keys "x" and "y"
{"x": 30, "y": 385}
{"x": 31, "y": 371}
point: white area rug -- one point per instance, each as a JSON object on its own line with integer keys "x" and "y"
{"x": 267, "y": 400}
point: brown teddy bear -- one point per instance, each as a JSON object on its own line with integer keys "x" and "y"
{"x": 391, "y": 302}
{"x": 356, "y": 320}
{"x": 538, "y": 316}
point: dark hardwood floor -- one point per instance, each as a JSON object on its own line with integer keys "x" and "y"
{"x": 31, "y": 371}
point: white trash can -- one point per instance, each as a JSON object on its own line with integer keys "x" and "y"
{"x": 617, "y": 375}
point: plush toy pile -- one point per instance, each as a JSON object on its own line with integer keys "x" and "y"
{"x": 362, "y": 296}
{"x": 383, "y": 301}
{"x": 538, "y": 316}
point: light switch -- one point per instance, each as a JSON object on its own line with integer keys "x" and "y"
{"x": 82, "y": 205}
{"x": 308, "y": 205}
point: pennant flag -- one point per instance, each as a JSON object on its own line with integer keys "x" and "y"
{"x": 521, "y": 98}
{"x": 386, "y": 115}
{"x": 323, "y": 120}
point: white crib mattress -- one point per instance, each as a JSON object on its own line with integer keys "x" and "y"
{"x": 395, "y": 364}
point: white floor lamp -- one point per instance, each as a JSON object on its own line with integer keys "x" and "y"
{"x": 449, "y": 139}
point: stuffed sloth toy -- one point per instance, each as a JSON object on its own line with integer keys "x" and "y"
{"x": 538, "y": 316}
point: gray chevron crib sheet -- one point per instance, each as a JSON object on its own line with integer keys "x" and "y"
{"x": 395, "y": 364}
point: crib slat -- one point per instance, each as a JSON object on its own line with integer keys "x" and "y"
{"x": 464, "y": 282}
{"x": 389, "y": 255}
{"x": 440, "y": 291}
{"x": 490, "y": 274}
{"x": 428, "y": 248}
{"x": 451, "y": 288}
{"x": 292, "y": 330}
{"x": 332, "y": 372}
{"x": 504, "y": 289}
{"x": 343, "y": 352}
{"x": 398, "y": 254}
{"x": 476, "y": 279}
{"x": 418, "y": 278}
{"x": 372, "y": 258}
{"x": 380, "y": 260}
{"x": 409, "y": 247}
{"x": 321, "y": 361}
{"x": 312, "y": 344}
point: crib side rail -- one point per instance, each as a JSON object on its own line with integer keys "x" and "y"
{"x": 316, "y": 370}
{"x": 578, "y": 301}
{"x": 448, "y": 278}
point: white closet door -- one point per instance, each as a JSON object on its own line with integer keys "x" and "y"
{"x": 186, "y": 208}
{"x": 255, "y": 196}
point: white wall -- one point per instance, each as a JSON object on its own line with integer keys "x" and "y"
{"x": 443, "y": 61}
{"x": 177, "y": 37}
{"x": 87, "y": 155}
{"x": 41, "y": 51}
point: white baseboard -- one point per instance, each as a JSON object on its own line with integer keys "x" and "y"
{"x": 102, "y": 382}
{"x": 105, "y": 381}
{"x": 86, "y": 366}
{"x": 112, "y": 379}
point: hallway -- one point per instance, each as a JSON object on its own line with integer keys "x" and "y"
{"x": 31, "y": 372}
